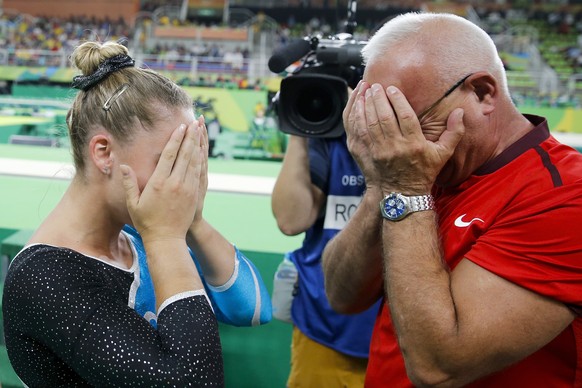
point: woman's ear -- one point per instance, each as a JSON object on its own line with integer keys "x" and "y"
{"x": 100, "y": 151}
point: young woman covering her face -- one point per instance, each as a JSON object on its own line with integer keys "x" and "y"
{"x": 107, "y": 292}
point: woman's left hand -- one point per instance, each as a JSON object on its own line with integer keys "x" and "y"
{"x": 203, "y": 184}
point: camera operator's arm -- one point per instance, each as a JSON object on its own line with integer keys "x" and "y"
{"x": 296, "y": 201}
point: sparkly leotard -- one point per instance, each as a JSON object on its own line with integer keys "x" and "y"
{"x": 68, "y": 323}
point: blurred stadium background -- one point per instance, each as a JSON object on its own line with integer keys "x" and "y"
{"x": 218, "y": 50}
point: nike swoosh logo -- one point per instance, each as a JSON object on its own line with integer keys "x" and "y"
{"x": 463, "y": 224}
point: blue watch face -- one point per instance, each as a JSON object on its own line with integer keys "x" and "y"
{"x": 394, "y": 207}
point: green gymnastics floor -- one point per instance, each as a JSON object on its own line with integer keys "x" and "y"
{"x": 237, "y": 204}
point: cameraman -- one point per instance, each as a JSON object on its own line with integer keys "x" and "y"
{"x": 318, "y": 188}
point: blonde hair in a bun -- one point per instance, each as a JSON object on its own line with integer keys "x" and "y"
{"x": 89, "y": 55}
{"x": 138, "y": 94}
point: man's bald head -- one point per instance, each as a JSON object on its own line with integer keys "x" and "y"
{"x": 450, "y": 44}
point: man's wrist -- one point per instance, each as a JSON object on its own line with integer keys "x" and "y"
{"x": 397, "y": 206}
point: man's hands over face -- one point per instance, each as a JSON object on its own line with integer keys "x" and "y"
{"x": 386, "y": 139}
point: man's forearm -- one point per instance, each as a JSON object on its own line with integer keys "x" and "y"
{"x": 352, "y": 261}
{"x": 417, "y": 285}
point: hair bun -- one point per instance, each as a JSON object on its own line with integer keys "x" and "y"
{"x": 88, "y": 56}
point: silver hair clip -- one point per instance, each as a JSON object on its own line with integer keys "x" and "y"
{"x": 114, "y": 97}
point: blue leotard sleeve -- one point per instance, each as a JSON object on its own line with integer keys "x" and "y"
{"x": 243, "y": 300}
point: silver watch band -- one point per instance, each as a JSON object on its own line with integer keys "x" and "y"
{"x": 421, "y": 202}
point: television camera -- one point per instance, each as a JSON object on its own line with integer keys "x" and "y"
{"x": 312, "y": 97}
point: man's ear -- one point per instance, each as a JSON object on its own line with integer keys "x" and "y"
{"x": 100, "y": 151}
{"x": 486, "y": 88}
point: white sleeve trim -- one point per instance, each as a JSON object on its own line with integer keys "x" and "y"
{"x": 183, "y": 295}
{"x": 257, "y": 314}
{"x": 230, "y": 281}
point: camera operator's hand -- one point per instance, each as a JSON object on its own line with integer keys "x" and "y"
{"x": 386, "y": 139}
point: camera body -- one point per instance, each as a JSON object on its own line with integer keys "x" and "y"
{"x": 311, "y": 99}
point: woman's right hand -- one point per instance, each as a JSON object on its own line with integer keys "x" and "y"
{"x": 166, "y": 207}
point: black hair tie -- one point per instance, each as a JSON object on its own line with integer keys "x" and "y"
{"x": 108, "y": 66}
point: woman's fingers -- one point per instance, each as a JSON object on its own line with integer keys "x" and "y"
{"x": 202, "y": 123}
{"x": 198, "y": 151}
{"x": 188, "y": 153}
{"x": 131, "y": 187}
{"x": 170, "y": 152}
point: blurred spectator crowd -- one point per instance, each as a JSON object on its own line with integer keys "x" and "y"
{"x": 560, "y": 34}
{"x": 28, "y": 32}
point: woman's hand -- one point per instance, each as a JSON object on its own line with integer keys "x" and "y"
{"x": 203, "y": 181}
{"x": 169, "y": 202}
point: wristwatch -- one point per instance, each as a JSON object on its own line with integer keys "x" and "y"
{"x": 396, "y": 206}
